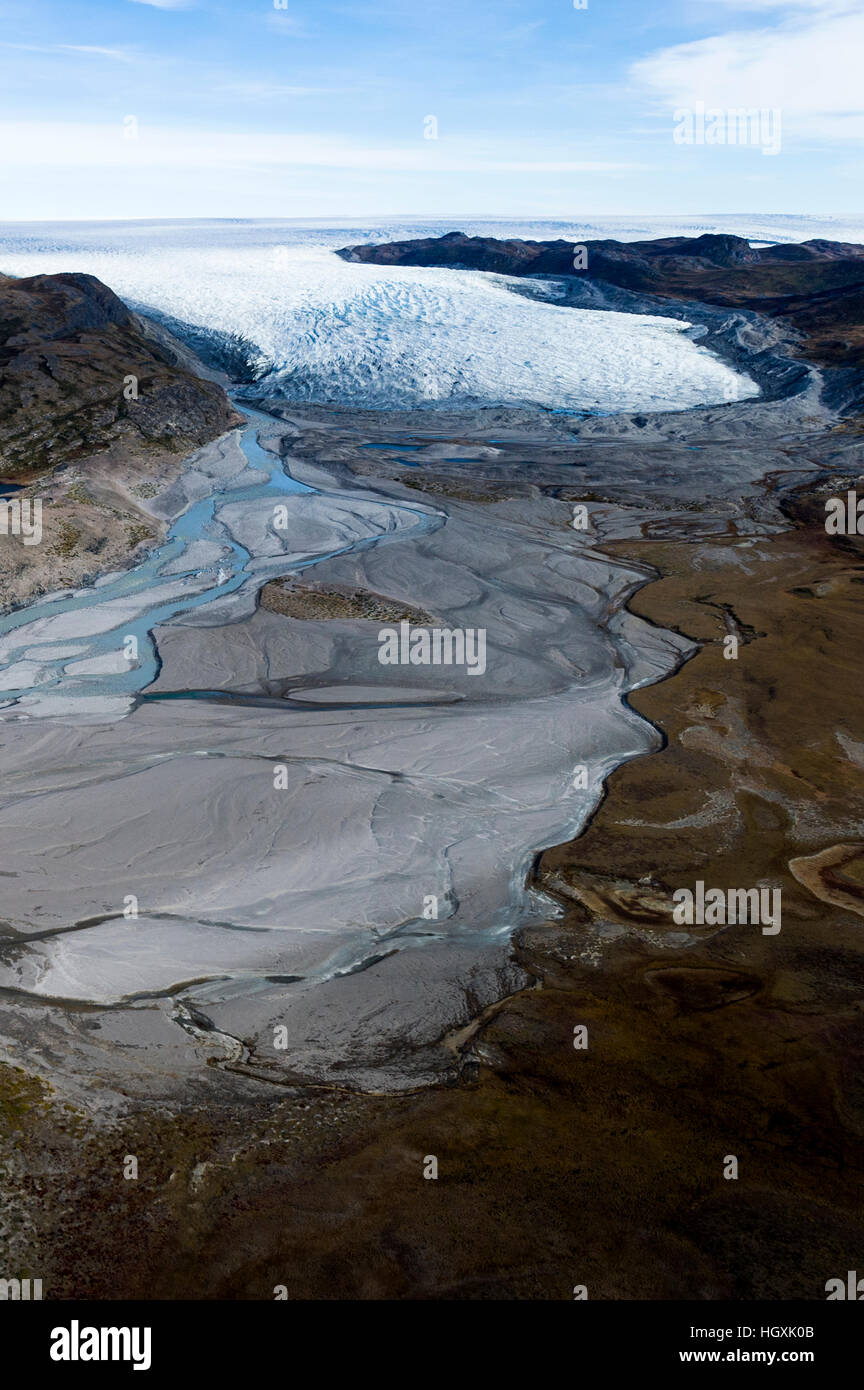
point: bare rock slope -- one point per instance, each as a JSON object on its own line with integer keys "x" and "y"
{"x": 98, "y": 407}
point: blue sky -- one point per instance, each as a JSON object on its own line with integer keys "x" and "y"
{"x": 221, "y": 108}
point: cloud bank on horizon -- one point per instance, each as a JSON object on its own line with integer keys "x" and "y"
{"x": 289, "y": 108}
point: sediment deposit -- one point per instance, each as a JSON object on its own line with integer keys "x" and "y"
{"x": 303, "y": 908}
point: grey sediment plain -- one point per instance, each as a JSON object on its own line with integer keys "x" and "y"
{"x": 306, "y": 908}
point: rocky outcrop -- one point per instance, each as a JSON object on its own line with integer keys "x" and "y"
{"x": 98, "y": 409}
{"x": 79, "y": 371}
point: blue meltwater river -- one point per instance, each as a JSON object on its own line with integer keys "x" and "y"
{"x": 47, "y": 647}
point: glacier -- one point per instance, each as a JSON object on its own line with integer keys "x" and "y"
{"x": 324, "y": 331}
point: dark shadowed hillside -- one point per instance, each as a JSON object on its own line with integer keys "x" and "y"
{"x": 67, "y": 347}
{"x": 98, "y": 409}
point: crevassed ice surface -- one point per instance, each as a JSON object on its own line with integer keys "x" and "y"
{"x": 383, "y": 337}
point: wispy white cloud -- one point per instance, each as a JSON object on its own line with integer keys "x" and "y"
{"x": 520, "y": 33}
{"x": 808, "y": 66}
{"x": 166, "y": 4}
{"x": 120, "y": 55}
{"x": 288, "y": 25}
{"x": 83, "y": 145}
{"x": 823, "y": 6}
{"x": 262, "y": 90}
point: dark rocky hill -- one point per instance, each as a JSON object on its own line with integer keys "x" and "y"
{"x": 82, "y": 440}
{"x": 816, "y": 286}
{"x": 68, "y": 346}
